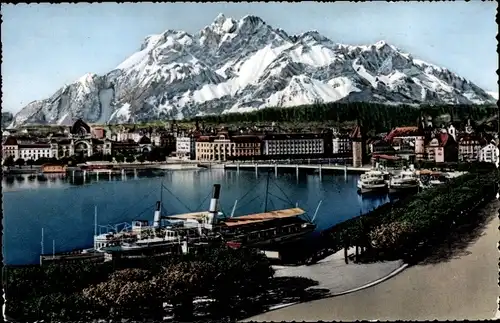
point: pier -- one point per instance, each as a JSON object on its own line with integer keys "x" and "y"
{"x": 319, "y": 167}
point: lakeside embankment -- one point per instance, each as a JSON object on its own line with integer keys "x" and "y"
{"x": 457, "y": 281}
{"x": 426, "y": 229}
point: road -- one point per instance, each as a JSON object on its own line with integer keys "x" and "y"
{"x": 463, "y": 287}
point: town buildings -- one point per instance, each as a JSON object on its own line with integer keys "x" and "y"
{"x": 423, "y": 142}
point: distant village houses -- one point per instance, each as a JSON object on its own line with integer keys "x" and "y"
{"x": 452, "y": 142}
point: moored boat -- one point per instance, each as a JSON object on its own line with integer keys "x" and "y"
{"x": 373, "y": 181}
{"x": 405, "y": 181}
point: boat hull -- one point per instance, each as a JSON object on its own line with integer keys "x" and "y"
{"x": 403, "y": 188}
{"x": 367, "y": 188}
{"x": 281, "y": 240}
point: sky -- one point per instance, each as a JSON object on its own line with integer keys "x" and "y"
{"x": 48, "y": 45}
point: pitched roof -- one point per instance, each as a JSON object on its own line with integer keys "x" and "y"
{"x": 10, "y": 141}
{"x": 469, "y": 137}
{"x": 144, "y": 141}
{"x": 246, "y": 139}
{"x": 403, "y": 132}
{"x": 78, "y": 125}
{"x": 285, "y": 136}
{"x": 356, "y": 133}
{"x": 444, "y": 138}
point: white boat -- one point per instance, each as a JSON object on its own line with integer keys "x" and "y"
{"x": 373, "y": 181}
{"x": 404, "y": 181}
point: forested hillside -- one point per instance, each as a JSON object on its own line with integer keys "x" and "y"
{"x": 376, "y": 117}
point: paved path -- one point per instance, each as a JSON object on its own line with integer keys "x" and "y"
{"x": 465, "y": 287}
{"x": 333, "y": 274}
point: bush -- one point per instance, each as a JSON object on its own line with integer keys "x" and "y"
{"x": 391, "y": 235}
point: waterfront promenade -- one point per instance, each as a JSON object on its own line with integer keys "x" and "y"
{"x": 462, "y": 285}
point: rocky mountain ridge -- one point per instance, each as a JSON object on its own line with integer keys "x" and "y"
{"x": 242, "y": 65}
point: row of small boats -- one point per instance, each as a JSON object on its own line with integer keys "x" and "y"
{"x": 407, "y": 180}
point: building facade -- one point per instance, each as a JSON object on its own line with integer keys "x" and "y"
{"x": 214, "y": 148}
{"x": 442, "y": 148}
{"x": 490, "y": 154}
{"x": 26, "y": 151}
{"x": 341, "y": 144}
{"x": 469, "y": 148}
{"x": 358, "y": 146}
{"x": 293, "y": 144}
{"x": 246, "y": 146}
{"x": 224, "y": 147}
{"x": 185, "y": 147}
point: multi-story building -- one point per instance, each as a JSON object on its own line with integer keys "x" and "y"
{"x": 246, "y": 146}
{"x": 408, "y": 141}
{"x": 185, "y": 147}
{"x": 469, "y": 147}
{"x": 341, "y": 144}
{"x": 98, "y": 132}
{"x": 490, "y": 153}
{"x": 214, "y": 148}
{"x": 26, "y": 151}
{"x": 131, "y": 134}
{"x": 129, "y": 146}
{"x": 223, "y": 147}
{"x": 293, "y": 144}
{"x": 442, "y": 148}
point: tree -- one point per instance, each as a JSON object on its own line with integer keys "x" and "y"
{"x": 41, "y": 161}
{"x": 119, "y": 158}
{"x": 180, "y": 283}
{"x": 130, "y": 159}
{"x": 30, "y": 162}
{"x": 9, "y": 161}
{"x": 129, "y": 293}
{"x": 156, "y": 154}
{"x": 107, "y": 158}
{"x": 20, "y": 162}
{"x": 240, "y": 278}
{"x": 141, "y": 158}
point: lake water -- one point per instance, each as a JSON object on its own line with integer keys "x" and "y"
{"x": 64, "y": 206}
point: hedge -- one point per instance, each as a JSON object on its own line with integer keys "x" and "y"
{"x": 422, "y": 219}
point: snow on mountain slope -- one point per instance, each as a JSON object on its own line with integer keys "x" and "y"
{"x": 493, "y": 95}
{"x": 242, "y": 65}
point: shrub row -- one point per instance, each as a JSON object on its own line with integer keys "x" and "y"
{"x": 403, "y": 227}
{"x": 136, "y": 290}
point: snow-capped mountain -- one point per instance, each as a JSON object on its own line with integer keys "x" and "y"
{"x": 243, "y": 65}
{"x": 494, "y": 95}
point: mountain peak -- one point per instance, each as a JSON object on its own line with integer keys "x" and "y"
{"x": 243, "y": 65}
{"x": 87, "y": 78}
{"x": 220, "y": 18}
